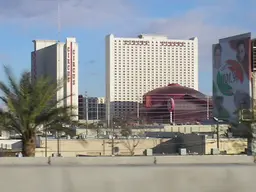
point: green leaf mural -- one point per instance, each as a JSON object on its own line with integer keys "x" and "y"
{"x": 224, "y": 88}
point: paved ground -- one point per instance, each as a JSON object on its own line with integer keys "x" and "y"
{"x": 128, "y": 178}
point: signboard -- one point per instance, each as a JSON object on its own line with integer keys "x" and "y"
{"x": 73, "y": 67}
{"x": 68, "y": 64}
{"x": 231, "y": 77}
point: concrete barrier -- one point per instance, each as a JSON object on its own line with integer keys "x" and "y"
{"x": 161, "y": 160}
{"x": 180, "y": 178}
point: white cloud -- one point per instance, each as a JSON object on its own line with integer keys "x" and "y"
{"x": 194, "y": 24}
{"x": 209, "y": 23}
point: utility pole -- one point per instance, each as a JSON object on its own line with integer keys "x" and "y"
{"x": 113, "y": 139}
{"x": 58, "y": 66}
{"x": 59, "y": 30}
{"x": 97, "y": 109}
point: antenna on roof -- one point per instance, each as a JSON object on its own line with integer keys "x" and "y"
{"x": 59, "y": 20}
{"x": 58, "y": 39}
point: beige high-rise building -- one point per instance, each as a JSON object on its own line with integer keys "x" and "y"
{"x": 58, "y": 60}
{"x": 135, "y": 66}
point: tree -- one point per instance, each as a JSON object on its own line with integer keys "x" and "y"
{"x": 131, "y": 144}
{"x": 31, "y": 105}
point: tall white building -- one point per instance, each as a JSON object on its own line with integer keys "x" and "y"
{"x": 135, "y": 66}
{"x": 58, "y": 60}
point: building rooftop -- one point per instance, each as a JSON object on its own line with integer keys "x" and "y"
{"x": 152, "y": 36}
{"x": 44, "y": 40}
{"x": 175, "y": 88}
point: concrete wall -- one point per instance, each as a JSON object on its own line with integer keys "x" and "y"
{"x": 195, "y": 128}
{"x": 188, "y": 128}
{"x": 100, "y": 175}
{"x": 173, "y": 128}
{"x": 231, "y": 146}
{"x": 97, "y": 147}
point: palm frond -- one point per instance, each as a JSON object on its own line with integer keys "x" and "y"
{"x": 31, "y": 105}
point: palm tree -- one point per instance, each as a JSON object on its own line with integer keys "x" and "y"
{"x": 31, "y": 105}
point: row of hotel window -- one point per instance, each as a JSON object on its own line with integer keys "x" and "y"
{"x": 155, "y": 64}
{"x": 144, "y": 64}
{"x": 154, "y": 60}
{"x": 154, "y": 55}
{"x": 148, "y": 77}
{"x": 148, "y": 54}
{"x": 122, "y": 66}
{"x": 157, "y": 82}
{"x": 150, "y": 48}
{"x": 152, "y": 70}
{"x": 183, "y": 50}
{"x": 154, "y": 51}
{"x": 151, "y": 77}
{"x": 152, "y": 43}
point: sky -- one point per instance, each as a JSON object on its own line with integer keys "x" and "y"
{"x": 22, "y": 21}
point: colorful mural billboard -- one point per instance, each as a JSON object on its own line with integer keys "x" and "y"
{"x": 231, "y": 77}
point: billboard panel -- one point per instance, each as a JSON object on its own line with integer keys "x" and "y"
{"x": 231, "y": 76}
